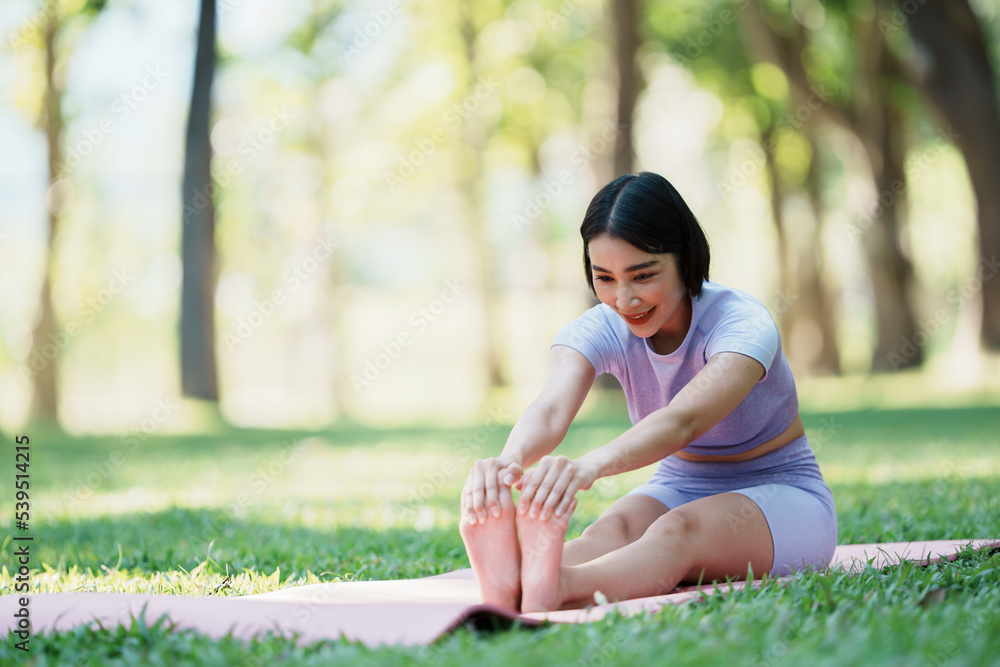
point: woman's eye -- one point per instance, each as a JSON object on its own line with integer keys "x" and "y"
{"x": 603, "y": 279}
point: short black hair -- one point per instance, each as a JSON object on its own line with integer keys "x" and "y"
{"x": 646, "y": 211}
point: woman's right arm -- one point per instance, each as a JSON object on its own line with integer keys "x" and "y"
{"x": 538, "y": 431}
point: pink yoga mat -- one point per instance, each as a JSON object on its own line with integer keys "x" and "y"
{"x": 408, "y": 611}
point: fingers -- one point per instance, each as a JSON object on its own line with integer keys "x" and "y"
{"x": 546, "y": 490}
{"x": 529, "y": 483}
{"x": 563, "y": 488}
{"x": 549, "y": 480}
{"x": 568, "y": 501}
{"x": 512, "y": 474}
{"x": 550, "y": 487}
{"x": 481, "y": 495}
{"x": 492, "y": 498}
{"x": 477, "y": 504}
{"x": 576, "y": 477}
{"x": 558, "y": 503}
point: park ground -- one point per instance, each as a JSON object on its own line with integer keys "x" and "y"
{"x": 233, "y": 512}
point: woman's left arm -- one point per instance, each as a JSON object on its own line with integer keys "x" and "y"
{"x": 712, "y": 394}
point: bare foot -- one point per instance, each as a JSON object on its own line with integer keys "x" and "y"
{"x": 495, "y": 553}
{"x": 541, "y": 561}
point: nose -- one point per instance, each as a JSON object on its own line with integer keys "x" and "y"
{"x": 625, "y": 298}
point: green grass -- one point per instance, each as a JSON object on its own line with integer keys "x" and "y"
{"x": 268, "y": 510}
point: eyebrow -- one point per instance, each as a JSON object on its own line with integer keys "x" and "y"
{"x": 634, "y": 267}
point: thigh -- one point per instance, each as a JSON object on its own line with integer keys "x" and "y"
{"x": 803, "y": 525}
{"x": 722, "y": 536}
{"x": 667, "y": 493}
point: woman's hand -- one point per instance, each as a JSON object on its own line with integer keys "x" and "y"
{"x": 549, "y": 489}
{"x": 481, "y": 493}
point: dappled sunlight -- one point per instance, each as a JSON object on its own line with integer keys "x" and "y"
{"x": 342, "y": 215}
{"x": 274, "y": 282}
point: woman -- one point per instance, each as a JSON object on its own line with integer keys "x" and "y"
{"x": 711, "y": 398}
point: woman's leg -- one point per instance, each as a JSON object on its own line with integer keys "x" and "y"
{"x": 622, "y": 523}
{"x": 543, "y": 554}
{"x": 495, "y": 553}
{"x": 712, "y": 538}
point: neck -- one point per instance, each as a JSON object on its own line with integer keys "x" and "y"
{"x": 673, "y": 333}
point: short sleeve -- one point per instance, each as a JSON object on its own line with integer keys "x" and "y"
{"x": 747, "y": 328}
{"x": 591, "y": 335}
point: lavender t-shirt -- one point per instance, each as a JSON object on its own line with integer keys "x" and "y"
{"x": 722, "y": 320}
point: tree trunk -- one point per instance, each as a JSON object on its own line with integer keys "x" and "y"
{"x": 626, "y": 27}
{"x": 45, "y": 342}
{"x": 891, "y": 272}
{"x": 820, "y": 299}
{"x": 808, "y": 334}
{"x": 625, "y": 17}
{"x": 785, "y": 274}
{"x": 475, "y": 139}
{"x": 880, "y": 129}
{"x": 198, "y": 368}
{"x": 808, "y": 320}
{"x": 877, "y": 126}
{"x": 958, "y": 80}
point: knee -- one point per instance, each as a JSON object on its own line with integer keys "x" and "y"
{"x": 614, "y": 526}
{"x": 676, "y": 524}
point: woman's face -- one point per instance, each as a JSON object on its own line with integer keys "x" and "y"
{"x": 645, "y": 289}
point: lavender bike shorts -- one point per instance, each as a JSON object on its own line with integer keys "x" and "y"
{"x": 786, "y": 485}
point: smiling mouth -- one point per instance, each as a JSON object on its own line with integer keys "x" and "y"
{"x": 638, "y": 318}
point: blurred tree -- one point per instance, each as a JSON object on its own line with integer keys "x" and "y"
{"x": 573, "y": 53}
{"x": 758, "y": 105}
{"x": 471, "y": 184}
{"x": 566, "y": 48}
{"x": 46, "y": 404}
{"x": 198, "y": 363}
{"x": 949, "y": 61}
{"x": 807, "y": 317}
{"x": 625, "y": 14}
{"x": 318, "y": 26}
{"x": 864, "y": 101}
{"x": 791, "y": 147}
{"x": 45, "y": 337}
{"x": 817, "y": 307}
{"x": 628, "y": 83}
